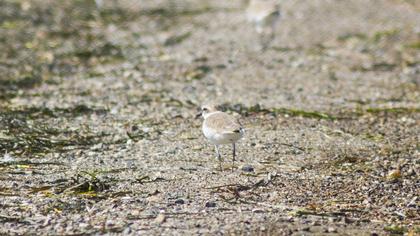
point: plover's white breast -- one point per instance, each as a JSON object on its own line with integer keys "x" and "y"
{"x": 221, "y": 128}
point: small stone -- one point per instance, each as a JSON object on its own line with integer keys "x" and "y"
{"x": 154, "y": 198}
{"x": 7, "y": 157}
{"x": 126, "y": 231}
{"x": 412, "y": 202}
{"x": 210, "y": 204}
{"x": 307, "y": 229}
{"x": 257, "y": 210}
{"x": 347, "y": 220}
{"x": 411, "y": 172}
{"x": 290, "y": 219}
{"x": 394, "y": 174}
{"x": 97, "y": 147}
{"x": 179, "y": 201}
{"x": 110, "y": 223}
{"x": 197, "y": 148}
{"x": 332, "y": 230}
{"x": 248, "y": 168}
{"x": 160, "y": 218}
{"x": 315, "y": 223}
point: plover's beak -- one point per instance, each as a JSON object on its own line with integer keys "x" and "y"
{"x": 198, "y": 115}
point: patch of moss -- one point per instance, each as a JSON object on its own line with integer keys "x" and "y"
{"x": 395, "y": 229}
{"x": 26, "y": 132}
{"x": 378, "y": 112}
{"x": 167, "y": 12}
{"x": 105, "y": 50}
{"x": 380, "y": 66}
{"x": 380, "y": 35}
{"x": 413, "y": 45}
{"x": 304, "y": 212}
{"x": 27, "y": 163}
{"x": 349, "y": 36}
{"x": 306, "y": 114}
{"x": 89, "y": 183}
{"x": 286, "y": 49}
{"x": 395, "y": 110}
{"x": 117, "y": 14}
{"x": 44, "y": 112}
{"x": 24, "y": 82}
{"x": 373, "y": 137}
{"x": 11, "y": 25}
{"x": 241, "y": 109}
{"x": 198, "y": 72}
{"x": 346, "y": 159}
{"x": 177, "y": 39}
{"x": 317, "y": 49}
{"x": 343, "y": 115}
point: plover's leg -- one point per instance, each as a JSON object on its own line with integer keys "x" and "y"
{"x": 219, "y": 157}
{"x": 234, "y": 154}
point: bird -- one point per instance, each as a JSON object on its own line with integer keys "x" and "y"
{"x": 99, "y": 4}
{"x": 221, "y": 128}
{"x": 264, "y": 15}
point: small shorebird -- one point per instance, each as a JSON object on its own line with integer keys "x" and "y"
{"x": 264, "y": 14}
{"x": 99, "y": 4}
{"x": 221, "y": 128}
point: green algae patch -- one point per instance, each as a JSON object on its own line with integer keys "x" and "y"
{"x": 413, "y": 45}
{"x": 177, "y": 39}
{"x": 395, "y": 229}
{"x": 26, "y": 131}
{"x": 44, "y": 112}
{"x": 385, "y": 34}
{"x": 395, "y": 110}
{"x": 244, "y": 110}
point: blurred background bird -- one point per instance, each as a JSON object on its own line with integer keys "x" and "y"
{"x": 264, "y": 15}
{"x": 99, "y": 4}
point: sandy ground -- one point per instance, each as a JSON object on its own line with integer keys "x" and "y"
{"x": 98, "y": 135}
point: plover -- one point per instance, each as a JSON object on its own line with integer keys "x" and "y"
{"x": 221, "y": 128}
{"x": 264, "y": 14}
{"x": 99, "y": 4}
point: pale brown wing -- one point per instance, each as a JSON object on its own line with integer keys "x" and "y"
{"x": 223, "y": 123}
{"x": 263, "y": 8}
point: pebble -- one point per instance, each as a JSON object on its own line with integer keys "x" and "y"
{"x": 307, "y": 229}
{"x": 179, "y": 201}
{"x": 332, "y": 230}
{"x": 160, "y": 218}
{"x": 411, "y": 172}
{"x": 394, "y": 174}
{"x": 97, "y": 147}
{"x": 210, "y": 204}
{"x": 315, "y": 223}
{"x": 248, "y": 168}
{"x": 257, "y": 210}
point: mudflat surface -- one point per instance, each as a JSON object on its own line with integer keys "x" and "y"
{"x": 98, "y": 135}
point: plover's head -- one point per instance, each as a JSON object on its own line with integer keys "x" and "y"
{"x": 206, "y": 110}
